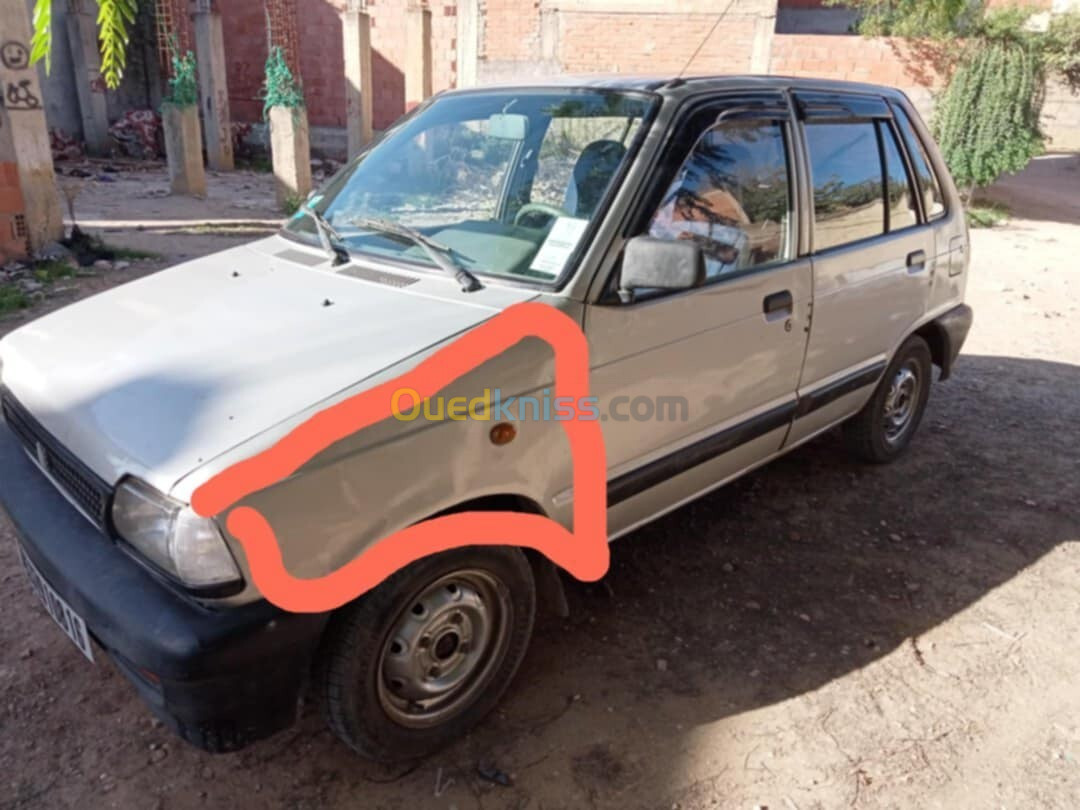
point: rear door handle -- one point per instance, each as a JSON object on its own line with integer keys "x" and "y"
{"x": 779, "y": 302}
{"x": 916, "y": 261}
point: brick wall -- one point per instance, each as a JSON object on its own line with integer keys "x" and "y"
{"x": 322, "y": 59}
{"x": 910, "y": 66}
{"x": 529, "y": 39}
{"x": 652, "y": 43}
{"x": 523, "y": 39}
{"x": 12, "y": 235}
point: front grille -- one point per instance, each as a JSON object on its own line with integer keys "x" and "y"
{"x": 88, "y": 492}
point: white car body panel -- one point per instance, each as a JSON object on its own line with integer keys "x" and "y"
{"x": 158, "y": 377}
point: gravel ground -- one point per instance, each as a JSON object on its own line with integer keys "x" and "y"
{"x": 818, "y": 634}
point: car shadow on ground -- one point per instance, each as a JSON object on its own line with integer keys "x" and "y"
{"x": 1045, "y": 190}
{"x": 800, "y": 573}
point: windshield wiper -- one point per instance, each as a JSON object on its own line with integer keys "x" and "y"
{"x": 441, "y": 255}
{"x": 329, "y": 238}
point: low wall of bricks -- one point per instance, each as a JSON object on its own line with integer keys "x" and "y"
{"x": 12, "y": 223}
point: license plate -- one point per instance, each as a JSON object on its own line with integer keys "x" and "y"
{"x": 70, "y": 621}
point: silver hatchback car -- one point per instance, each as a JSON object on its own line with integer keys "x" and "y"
{"x": 752, "y": 261}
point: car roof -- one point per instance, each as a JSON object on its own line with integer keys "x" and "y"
{"x": 677, "y": 86}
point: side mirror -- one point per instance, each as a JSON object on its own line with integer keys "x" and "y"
{"x": 661, "y": 264}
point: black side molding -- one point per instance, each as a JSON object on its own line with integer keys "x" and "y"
{"x": 833, "y": 391}
{"x": 656, "y": 472}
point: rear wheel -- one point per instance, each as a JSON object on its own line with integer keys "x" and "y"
{"x": 417, "y": 662}
{"x": 883, "y": 429}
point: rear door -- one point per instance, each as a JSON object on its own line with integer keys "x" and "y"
{"x": 873, "y": 257}
{"x": 694, "y": 386}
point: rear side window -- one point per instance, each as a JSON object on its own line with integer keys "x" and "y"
{"x": 933, "y": 201}
{"x": 849, "y": 196}
{"x": 902, "y": 209}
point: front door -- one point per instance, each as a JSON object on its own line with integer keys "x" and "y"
{"x": 695, "y": 386}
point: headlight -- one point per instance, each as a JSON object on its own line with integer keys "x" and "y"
{"x": 172, "y": 536}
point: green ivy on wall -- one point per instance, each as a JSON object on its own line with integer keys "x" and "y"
{"x": 281, "y": 88}
{"x": 183, "y": 85}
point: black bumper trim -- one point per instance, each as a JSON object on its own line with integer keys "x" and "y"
{"x": 203, "y": 661}
{"x": 954, "y": 326}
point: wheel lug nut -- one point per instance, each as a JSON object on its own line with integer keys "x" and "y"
{"x": 424, "y": 642}
{"x": 457, "y": 618}
{"x": 433, "y": 672}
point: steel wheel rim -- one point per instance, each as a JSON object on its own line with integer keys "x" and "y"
{"x": 901, "y": 401}
{"x": 442, "y": 647}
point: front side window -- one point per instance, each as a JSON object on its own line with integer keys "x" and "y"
{"x": 732, "y": 197}
{"x": 504, "y": 182}
{"x": 849, "y": 201}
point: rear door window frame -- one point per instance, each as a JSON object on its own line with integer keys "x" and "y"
{"x": 846, "y": 107}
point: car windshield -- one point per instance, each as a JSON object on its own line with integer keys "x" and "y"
{"x": 504, "y": 182}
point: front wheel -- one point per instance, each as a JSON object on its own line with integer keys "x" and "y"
{"x": 883, "y": 429}
{"x": 417, "y": 662}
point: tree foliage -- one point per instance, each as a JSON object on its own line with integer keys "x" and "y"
{"x": 914, "y": 18}
{"x": 1062, "y": 48}
{"x": 41, "y": 39}
{"x": 115, "y": 18}
{"x": 987, "y": 119}
{"x": 114, "y": 21}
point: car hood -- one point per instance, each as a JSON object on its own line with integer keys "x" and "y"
{"x": 159, "y": 376}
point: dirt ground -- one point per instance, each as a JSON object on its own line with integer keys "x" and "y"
{"x": 819, "y": 634}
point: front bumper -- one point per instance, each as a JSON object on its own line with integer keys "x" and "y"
{"x": 221, "y": 679}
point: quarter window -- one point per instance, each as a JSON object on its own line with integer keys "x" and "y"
{"x": 933, "y": 201}
{"x": 902, "y": 212}
{"x": 849, "y": 201}
{"x": 732, "y": 197}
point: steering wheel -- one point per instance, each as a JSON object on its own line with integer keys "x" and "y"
{"x": 538, "y": 208}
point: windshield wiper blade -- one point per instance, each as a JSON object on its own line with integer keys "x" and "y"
{"x": 441, "y": 255}
{"x": 329, "y": 238}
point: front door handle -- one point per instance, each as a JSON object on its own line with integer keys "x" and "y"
{"x": 916, "y": 261}
{"x": 780, "y": 302}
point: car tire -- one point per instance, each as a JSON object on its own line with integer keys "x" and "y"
{"x": 883, "y": 429}
{"x": 414, "y": 664}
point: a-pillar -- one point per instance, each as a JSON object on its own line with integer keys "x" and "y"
{"x": 213, "y": 85}
{"x": 418, "y": 82}
{"x": 22, "y": 117}
{"x": 356, "y": 30}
